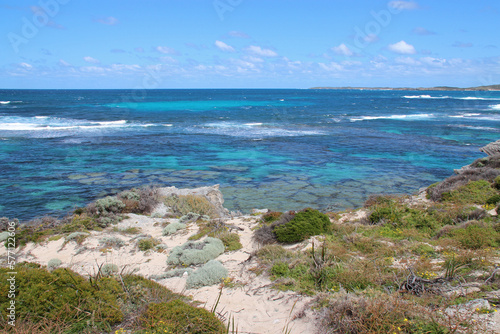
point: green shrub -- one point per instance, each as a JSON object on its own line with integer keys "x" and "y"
{"x": 190, "y": 216}
{"x": 128, "y": 230}
{"x": 304, "y": 224}
{"x": 130, "y": 195}
{"x": 62, "y": 295}
{"x": 173, "y": 227}
{"x": 173, "y": 273}
{"x": 493, "y": 200}
{"x": 147, "y": 244}
{"x": 496, "y": 182}
{"x": 142, "y": 291}
{"x": 211, "y": 273}
{"x": 109, "y": 204}
{"x": 178, "y": 317}
{"x": 196, "y": 252}
{"x": 231, "y": 241}
{"x": 476, "y": 192}
{"x": 280, "y": 269}
{"x": 475, "y": 237}
{"x": 79, "y": 237}
{"x": 111, "y": 242}
{"x": 53, "y": 264}
{"x": 271, "y": 217}
{"x": 109, "y": 269}
{"x": 79, "y": 223}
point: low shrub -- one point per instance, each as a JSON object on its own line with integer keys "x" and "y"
{"x": 78, "y": 237}
{"x": 456, "y": 181}
{"x": 231, "y": 241}
{"x": 149, "y": 199}
{"x": 53, "y": 264}
{"x": 178, "y": 317}
{"x": 493, "y": 200}
{"x": 128, "y": 230}
{"x": 211, "y": 273}
{"x": 196, "y": 252}
{"x": 173, "y": 227}
{"x": 189, "y": 217}
{"x": 474, "y": 236}
{"x": 109, "y": 269}
{"x": 113, "y": 242}
{"x": 183, "y": 204}
{"x": 382, "y": 314}
{"x": 63, "y": 296}
{"x": 280, "y": 269}
{"x": 109, "y": 204}
{"x": 264, "y": 235}
{"x": 147, "y": 244}
{"x": 477, "y": 192}
{"x": 496, "y": 182}
{"x": 173, "y": 273}
{"x": 304, "y": 224}
{"x": 130, "y": 195}
{"x": 271, "y": 217}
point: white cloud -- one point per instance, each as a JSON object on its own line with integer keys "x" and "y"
{"x": 403, "y": 5}
{"x": 224, "y": 47}
{"x": 165, "y": 50}
{"x": 168, "y": 59}
{"x": 437, "y": 62}
{"x": 125, "y": 67}
{"x": 63, "y": 63}
{"x": 370, "y": 38}
{"x": 110, "y": 20}
{"x": 253, "y": 59}
{"x": 238, "y": 34}
{"x": 422, "y": 31}
{"x": 402, "y": 48}
{"x": 407, "y": 61}
{"x": 91, "y": 60}
{"x": 257, "y": 50}
{"x": 92, "y": 69}
{"x": 26, "y": 66}
{"x": 331, "y": 67}
{"x": 458, "y": 44}
{"x": 343, "y": 50}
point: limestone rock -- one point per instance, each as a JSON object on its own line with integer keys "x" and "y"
{"x": 492, "y": 148}
{"x": 212, "y": 194}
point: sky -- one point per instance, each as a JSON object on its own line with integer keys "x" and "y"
{"x": 152, "y": 44}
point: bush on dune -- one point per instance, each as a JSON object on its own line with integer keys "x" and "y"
{"x": 196, "y": 252}
{"x": 178, "y": 317}
{"x": 294, "y": 227}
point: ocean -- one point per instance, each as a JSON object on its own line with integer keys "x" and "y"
{"x": 267, "y": 148}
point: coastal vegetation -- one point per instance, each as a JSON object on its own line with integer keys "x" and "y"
{"x": 400, "y": 264}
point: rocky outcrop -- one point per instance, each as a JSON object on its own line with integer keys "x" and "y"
{"x": 492, "y": 148}
{"x": 212, "y": 194}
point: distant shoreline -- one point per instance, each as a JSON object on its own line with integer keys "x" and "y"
{"x": 439, "y": 88}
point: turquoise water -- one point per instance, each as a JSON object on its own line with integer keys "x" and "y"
{"x": 277, "y": 149}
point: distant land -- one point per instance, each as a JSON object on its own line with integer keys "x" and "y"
{"x": 443, "y": 88}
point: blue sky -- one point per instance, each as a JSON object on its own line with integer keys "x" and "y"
{"x": 248, "y": 43}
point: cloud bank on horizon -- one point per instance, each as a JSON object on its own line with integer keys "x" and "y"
{"x": 248, "y": 44}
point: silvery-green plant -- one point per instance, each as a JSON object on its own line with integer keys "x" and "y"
{"x": 211, "y": 273}
{"x": 196, "y": 252}
{"x": 173, "y": 227}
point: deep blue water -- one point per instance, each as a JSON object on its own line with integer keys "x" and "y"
{"x": 277, "y": 149}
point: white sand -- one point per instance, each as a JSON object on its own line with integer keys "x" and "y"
{"x": 255, "y": 307}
